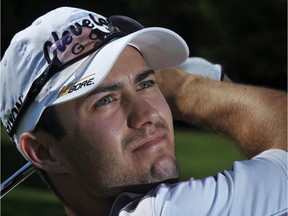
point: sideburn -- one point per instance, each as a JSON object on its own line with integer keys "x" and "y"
{"x": 51, "y": 123}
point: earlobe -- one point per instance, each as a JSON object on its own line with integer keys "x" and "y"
{"x": 40, "y": 154}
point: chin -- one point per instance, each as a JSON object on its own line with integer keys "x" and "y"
{"x": 165, "y": 168}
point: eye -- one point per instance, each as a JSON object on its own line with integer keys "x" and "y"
{"x": 105, "y": 100}
{"x": 145, "y": 84}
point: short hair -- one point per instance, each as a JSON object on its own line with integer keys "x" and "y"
{"x": 52, "y": 124}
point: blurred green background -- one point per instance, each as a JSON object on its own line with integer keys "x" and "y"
{"x": 248, "y": 38}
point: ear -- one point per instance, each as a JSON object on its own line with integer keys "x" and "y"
{"x": 40, "y": 154}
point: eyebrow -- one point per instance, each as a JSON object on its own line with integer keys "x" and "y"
{"x": 117, "y": 85}
{"x": 107, "y": 88}
{"x": 144, "y": 75}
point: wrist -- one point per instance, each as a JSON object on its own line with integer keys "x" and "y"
{"x": 187, "y": 98}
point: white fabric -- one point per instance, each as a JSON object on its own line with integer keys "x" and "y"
{"x": 202, "y": 67}
{"x": 256, "y": 187}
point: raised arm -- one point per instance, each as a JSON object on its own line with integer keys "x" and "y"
{"x": 256, "y": 118}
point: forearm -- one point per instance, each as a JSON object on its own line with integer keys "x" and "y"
{"x": 254, "y": 117}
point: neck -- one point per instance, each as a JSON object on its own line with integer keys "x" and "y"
{"x": 95, "y": 208}
{"x": 78, "y": 202}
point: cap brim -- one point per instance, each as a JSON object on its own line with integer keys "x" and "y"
{"x": 160, "y": 47}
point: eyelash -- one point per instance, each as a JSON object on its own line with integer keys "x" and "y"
{"x": 149, "y": 82}
{"x": 103, "y": 101}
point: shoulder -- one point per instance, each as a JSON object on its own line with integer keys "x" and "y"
{"x": 254, "y": 185}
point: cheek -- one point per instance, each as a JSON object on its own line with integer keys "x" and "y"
{"x": 105, "y": 133}
{"x": 97, "y": 146}
{"x": 164, "y": 111}
{"x": 166, "y": 115}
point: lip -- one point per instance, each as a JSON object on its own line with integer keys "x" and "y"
{"x": 149, "y": 142}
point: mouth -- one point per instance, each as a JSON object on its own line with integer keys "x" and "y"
{"x": 150, "y": 142}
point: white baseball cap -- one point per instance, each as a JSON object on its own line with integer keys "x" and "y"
{"x": 65, "y": 54}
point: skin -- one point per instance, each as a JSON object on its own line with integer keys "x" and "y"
{"x": 120, "y": 134}
{"x": 125, "y": 126}
{"x": 254, "y": 117}
{"x": 123, "y": 130}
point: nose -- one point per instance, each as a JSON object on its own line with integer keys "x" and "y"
{"x": 141, "y": 112}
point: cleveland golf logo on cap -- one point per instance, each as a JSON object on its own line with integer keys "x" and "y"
{"x": 80, "y": 38}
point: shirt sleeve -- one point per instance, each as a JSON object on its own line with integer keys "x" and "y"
{"x": 254, "y": 187}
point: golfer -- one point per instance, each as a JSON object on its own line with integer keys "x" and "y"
{"x": 85, "y": 101}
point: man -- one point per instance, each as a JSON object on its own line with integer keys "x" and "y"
{"x": 88, "y": 113}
